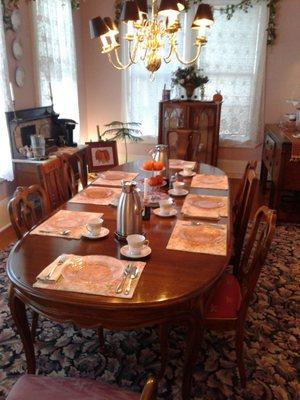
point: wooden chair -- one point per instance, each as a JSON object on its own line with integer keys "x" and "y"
{"x": 242, "y": 209}
{"x": 185, "y": 144}
{"x": 30, "y": 387}
{"x": 53, "y": 182}
{"x": 227, "y": 305}
{"x": 27, "y": 207}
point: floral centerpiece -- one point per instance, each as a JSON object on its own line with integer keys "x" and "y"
{"x": 189, "y": 78}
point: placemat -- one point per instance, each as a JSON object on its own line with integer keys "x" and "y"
{"x": 65, "y": 220}
{"x": 180, "y": 164}
{"x": 210, "y": 182}
{"x": 114, "y": 178}
{"x": 198, "y": 206}
{"x": 94, "y": 274}
{"x": 96, "y": 195}
{"x": 204, "y": 238}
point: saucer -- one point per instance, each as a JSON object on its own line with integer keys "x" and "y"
{"x": 146, "y": 250}
{"x": 187, "y": 175}
{"x": 104, "y": 232}
{"x": 181, "y": 192}
{"x": 172, "y": 213}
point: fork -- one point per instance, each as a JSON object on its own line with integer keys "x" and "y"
{"x": 62, "y": 233}
{"x": 52, "y": 270}
{"x": 133, "y": 275}
{"x": 126, "y": 273}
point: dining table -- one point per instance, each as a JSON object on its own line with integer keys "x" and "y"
{"x": 171, "y": 289}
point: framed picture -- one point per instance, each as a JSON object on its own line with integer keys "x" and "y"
{"x": 102, "y": 155}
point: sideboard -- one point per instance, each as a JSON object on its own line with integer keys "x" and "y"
{"x": 202, "y": 117}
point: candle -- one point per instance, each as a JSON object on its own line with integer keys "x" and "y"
{"x": 11, "y": 88}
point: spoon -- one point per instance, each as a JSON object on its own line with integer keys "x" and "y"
{"x": 133, "y": 275}
{"x": 62, "y": 233}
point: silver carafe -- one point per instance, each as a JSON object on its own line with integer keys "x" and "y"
{"x": 129, "y": 211}
{"x": 160, "y": 153}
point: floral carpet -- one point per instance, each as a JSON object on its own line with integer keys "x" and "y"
{"x": 270, "y": 347}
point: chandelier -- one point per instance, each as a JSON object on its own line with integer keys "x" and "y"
{"x": 150, "y": 35}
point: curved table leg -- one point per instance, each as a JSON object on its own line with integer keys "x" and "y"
{"x": 19, "y": 315}
{"x": 194, "y": 337}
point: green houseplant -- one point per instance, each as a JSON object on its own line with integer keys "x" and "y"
{"x": 126, "y": 131}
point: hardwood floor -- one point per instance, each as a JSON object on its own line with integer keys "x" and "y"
{"x": 8, "y": 236}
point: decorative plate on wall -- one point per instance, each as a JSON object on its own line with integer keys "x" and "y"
{"x": 17, "y": 49}
{"x": 20, "y": 76}
{"x": 16, "y": 20}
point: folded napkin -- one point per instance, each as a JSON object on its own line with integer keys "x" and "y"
{"x": 73, "y": 222}
{"x": 114, "y": 178}
{"x": 56, "y": 267}
{"x": 94, "y": 274}
{"x": 210, "y": 182}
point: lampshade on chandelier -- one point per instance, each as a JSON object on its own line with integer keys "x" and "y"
{"x": 151, "y": 36}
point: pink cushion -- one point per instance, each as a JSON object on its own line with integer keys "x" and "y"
{"x": 31, "y": 387}
{"x": 225, "y": 300}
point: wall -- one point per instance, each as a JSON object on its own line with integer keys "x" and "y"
{"x": 103, "y": 83}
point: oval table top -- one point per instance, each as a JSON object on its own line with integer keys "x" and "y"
{"x": 169, "y": 278}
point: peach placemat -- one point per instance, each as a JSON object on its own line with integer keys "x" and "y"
{"x": 205, "y": 206}
{"x": 101, "y": 196}
{"x": 114, "y": 178}
{"x": 180, "y": 164}
{"x": 97, "y": 275}
{"x": 204, "y": 238}
{"x": 74, "y": 221}
{"x": 210, "y": 182}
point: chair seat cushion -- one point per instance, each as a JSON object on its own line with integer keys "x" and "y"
{"x": 31, "y": 387}
{"x": 225, "y": 300}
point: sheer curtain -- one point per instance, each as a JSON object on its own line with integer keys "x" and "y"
{"x": 6, "y": 170}
{"x": 233, "y": 59}
{"x": 55, "y": 55}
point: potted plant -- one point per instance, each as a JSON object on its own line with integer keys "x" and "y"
{"x": 127, "y": 131}
{"x": 190, "y": 78}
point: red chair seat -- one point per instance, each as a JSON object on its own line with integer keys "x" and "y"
{"x": 31, "y": 387}
{"x": 225, "y": 300}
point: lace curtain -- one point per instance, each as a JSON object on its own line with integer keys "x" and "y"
{"x": 234, "y": 61}
{"x": 55, "y": 55}
{"x": 6, "y": 170}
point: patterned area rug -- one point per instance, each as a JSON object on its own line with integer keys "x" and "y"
{"x": 270, "y": 346}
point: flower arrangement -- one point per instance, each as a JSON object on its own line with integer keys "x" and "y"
{"x": 189, "y": 78}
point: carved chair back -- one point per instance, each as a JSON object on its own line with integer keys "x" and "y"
{"x": 70, "y": 183}
{"x": 250, "y": 165}
{"x": 27, "y": 207}
{"x": 82, "y": 170}
{"x": 255, "y": 253}
{"x": 242, "y": 211}
{"x": 179, "y": 141}
{"x": 53, "y": 182}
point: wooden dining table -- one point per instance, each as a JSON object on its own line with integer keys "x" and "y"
{"x": 171, "y": 288}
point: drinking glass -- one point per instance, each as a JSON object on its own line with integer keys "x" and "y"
{"x": 38, "y": 146}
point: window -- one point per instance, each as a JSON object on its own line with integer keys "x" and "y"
{"x": 56, "y": 56}
{"x": 233, "y": 59}
{"x": 6, "y": 171}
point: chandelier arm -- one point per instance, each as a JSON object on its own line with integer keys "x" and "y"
{"x": 119, "y": 67}
{"x": 132, "y": 54}
{"x": 169, "y": 56}
{"x": 184, "y": 62}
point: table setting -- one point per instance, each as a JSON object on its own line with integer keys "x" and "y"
{"x": 93, "y": 274}
{"x": 101, "y": 196}
{"x": 203, "y": 181}
{"x": 113, "y": 178}
{"x": 181, "y": 164}
{"x": 67, "y": 224}
{"x": 206, "y": 207}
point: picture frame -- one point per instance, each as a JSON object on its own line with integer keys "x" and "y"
{"x": 102, "y": 155}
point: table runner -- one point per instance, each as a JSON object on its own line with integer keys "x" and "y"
{"x": 205, "y": 206}
{"x": 295, "y": 152}
{"x": 96, "y": 195}
{"x": 114, "y": 178}
{"x": 210, "y": 182}
{"x": 180, "y": 164}
{"x": 74, "y": 221}
{"x": 94, "y": 274}
{"x": 205, "y": 238}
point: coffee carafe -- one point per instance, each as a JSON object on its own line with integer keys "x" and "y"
{"x": 160, "y": 153}
{"x": 129, "y": 211}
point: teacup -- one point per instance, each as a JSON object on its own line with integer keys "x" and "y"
{"x": 178, "y": 186}
{"x": 136, "y": 243}
{"x": 94, "y": 226}
{"x": 166, "y": 205}
{"x": 187, "y": 170}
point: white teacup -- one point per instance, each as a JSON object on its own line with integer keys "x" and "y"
{"x": 136, "y": 243}
{"x": 166, "y": 206}
{"x": 187, "y": 170}
{"x": 94, "y": 226}
{"x": 178, "y": 186}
